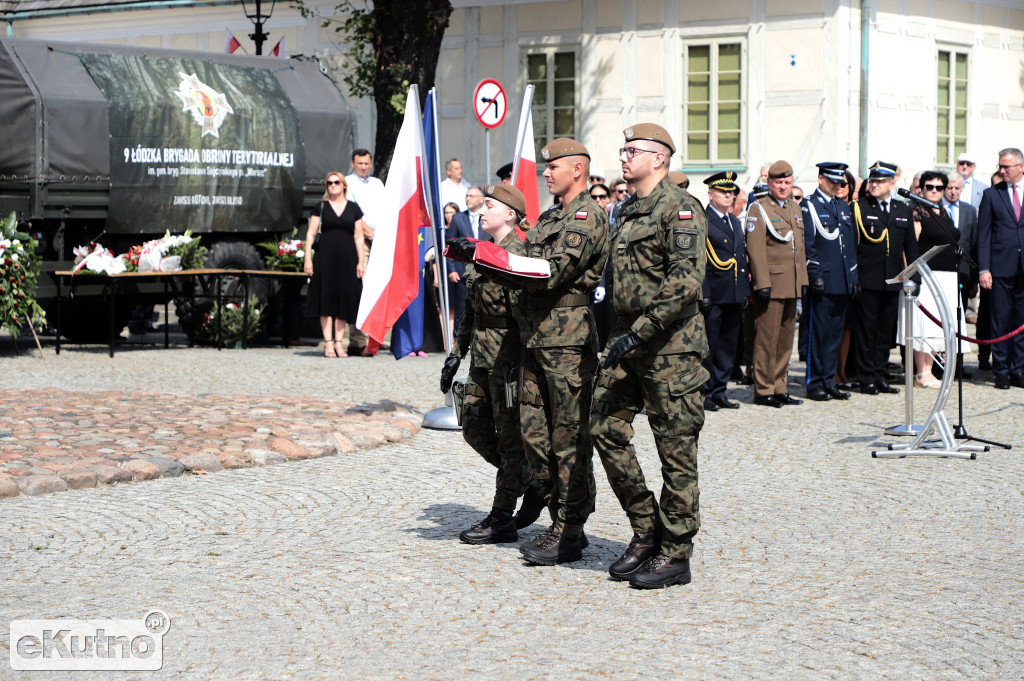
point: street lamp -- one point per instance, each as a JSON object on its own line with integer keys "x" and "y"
{"x": 257, "y": 18}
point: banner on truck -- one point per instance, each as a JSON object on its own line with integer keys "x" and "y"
{"x": 198, "y": 145}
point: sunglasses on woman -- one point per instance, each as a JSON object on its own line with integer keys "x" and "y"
{"x": 331, "y": 183}
{"x": 598, "y": 196}
{"x": 934, "y": 187}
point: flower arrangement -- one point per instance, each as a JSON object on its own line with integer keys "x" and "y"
{"x": 98, "y": 260}
{"x": 285, "y": 256}
{"x": 170, "y": 253}
{"x": 19, "y": 272}
{"x": 232, "y": 323}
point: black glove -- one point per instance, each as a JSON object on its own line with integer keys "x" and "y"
{"x": 763, "y": 295}
{"x": 451, "y": 365}
{"x": 461, "y": 248}
{"x": 818, "y": 289}
{"x": 622, "y": 347}
{"x": 704, "y": 306}
{"x": 745, "y": 304}
{"x": 855, "y": 290}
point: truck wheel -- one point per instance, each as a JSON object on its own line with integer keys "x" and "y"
{"x": 225, "y": 255}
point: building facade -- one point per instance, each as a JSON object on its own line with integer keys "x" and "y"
{"x": 738, "y": 83}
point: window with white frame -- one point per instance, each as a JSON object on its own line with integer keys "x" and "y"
{"x": 713, "y": 100}
{"x": 951, "y": 106}
{"x": 553, "y": 73}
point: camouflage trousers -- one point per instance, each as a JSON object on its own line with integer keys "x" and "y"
{"x": 553, "y": 410}
{"x": 493, "y": 431}
{"x": 669, "y": 386}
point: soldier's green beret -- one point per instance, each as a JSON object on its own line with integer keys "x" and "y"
{"x": 509, "y": 195}
{"x": 679, "y": 179}
{"x": 563, "y": 146}
{"x": 780, "y": 169}
{"x": 649, "y": 131}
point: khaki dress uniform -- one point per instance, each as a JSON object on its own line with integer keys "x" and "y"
{"x": 777, "y": 259}
{"x": 659, "y": 259}
{"x": 489, "y": 333}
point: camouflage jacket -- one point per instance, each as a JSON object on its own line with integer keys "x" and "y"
{"x": 555, "y": 312}
{"x": 488, "y": 329}
{"x": 659, "y": 258}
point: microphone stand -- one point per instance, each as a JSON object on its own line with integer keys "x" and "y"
{"x": 960, "y": 431}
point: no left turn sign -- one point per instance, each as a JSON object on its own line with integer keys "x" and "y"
{"x": 490, "y": 103}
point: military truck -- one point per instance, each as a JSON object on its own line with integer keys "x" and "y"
{"x": 119, "y": 144}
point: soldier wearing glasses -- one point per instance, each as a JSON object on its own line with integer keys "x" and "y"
{"x": 653, "y": 360}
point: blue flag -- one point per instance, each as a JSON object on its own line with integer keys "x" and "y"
{"x": 407, "y": 335}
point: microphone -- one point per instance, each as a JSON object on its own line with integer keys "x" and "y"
{"x": 917, "y": 199}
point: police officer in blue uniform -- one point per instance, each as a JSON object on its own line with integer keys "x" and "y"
{"x": 832, "y": 272}
{"x": 726, "y": 288}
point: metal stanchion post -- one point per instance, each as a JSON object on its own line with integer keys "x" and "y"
{"x": 908, "y": 427}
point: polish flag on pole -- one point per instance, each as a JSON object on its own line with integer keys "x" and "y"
{"x": 278, "y": 48}
{"x": 524, "y": 163}
{"x": 231, "y": 43}
{"x": 392, "y": 275}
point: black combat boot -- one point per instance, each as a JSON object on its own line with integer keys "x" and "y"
{"x": 556, "y": 548}
{"x": 641, "y": 548}
{"x": 662, "y": 571}
{"x": 533, "y": 504}
{"x": 497, "y": 528}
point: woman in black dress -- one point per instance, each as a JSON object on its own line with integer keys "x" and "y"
{"x": 337, "y": 266}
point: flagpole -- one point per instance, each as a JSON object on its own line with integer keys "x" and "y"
{"x": 521, "y": 137}
{"x": 447, "y": 332}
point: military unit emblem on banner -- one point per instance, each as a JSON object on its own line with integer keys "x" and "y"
{"x": 208, "y": 107}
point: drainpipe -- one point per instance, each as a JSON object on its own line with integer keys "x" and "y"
{"x": 865, "y": 32}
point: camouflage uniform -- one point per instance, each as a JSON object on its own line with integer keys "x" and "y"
{"x": 560, "y": 356}
{"x": 488, "y": 332}
{"x": 659, "y": 259}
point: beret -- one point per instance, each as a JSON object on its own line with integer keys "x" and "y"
{"x": 563, "y": 146}
{"x": 780, "y": 169}
{"x": 649, "y": 131}
{"x": 507, "y": 194}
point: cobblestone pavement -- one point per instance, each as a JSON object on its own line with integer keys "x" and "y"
{"x": 814, "y": 561}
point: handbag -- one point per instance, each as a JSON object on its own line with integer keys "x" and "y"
{"x": 319, "y": 229}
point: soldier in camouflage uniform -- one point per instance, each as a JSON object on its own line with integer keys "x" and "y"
{"x": 488, "y": 424}
{"x": 560, "y": 356}
{"x": 654, "y": 359}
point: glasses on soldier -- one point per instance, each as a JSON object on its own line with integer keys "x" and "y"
{"x": 631, "y": 152}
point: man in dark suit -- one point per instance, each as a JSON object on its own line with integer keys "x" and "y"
{"x": 1001, "y": 265}
{"x": 832, "y": 273}
{"x": 467, "y": 224}
{"x": 885, "y": 237}
{"x": 726, "y": 288}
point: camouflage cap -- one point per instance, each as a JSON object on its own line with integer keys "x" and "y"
{"x": 507, "y": 194}
{"x": 780, "y": 169}
{"x": 563, "y": 146}
{"x": 649, "y": 131}
{"x": 678, "y": 178}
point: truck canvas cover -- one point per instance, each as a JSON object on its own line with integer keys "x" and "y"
{"x": 185, "y": 140}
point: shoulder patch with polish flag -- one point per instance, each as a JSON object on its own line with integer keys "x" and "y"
{"x": 686, "y": 215}
{"x": 581, "y": 215}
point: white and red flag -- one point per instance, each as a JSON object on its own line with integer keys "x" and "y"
{"x": 231, "y": 43}
{"x": 278, "y": 48}
{"x": 524, "y": 164}
{"x": 392, "y": 278}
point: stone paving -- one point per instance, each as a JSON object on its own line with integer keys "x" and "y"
{"x": 814, "y": 561}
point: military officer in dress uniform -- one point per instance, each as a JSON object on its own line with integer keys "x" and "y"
{"x": 832, "y": 272}
{"x": 653, "y": 359}
{"x": 726, "y": 288}
{"x": 778, "y": 272}
{"x": 885, "y": 241}
{"x": 560, "y": 348}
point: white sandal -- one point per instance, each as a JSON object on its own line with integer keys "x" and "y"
{"x": 926, "y": 379}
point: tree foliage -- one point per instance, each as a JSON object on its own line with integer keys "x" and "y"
{"x": 388, "y": 46}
